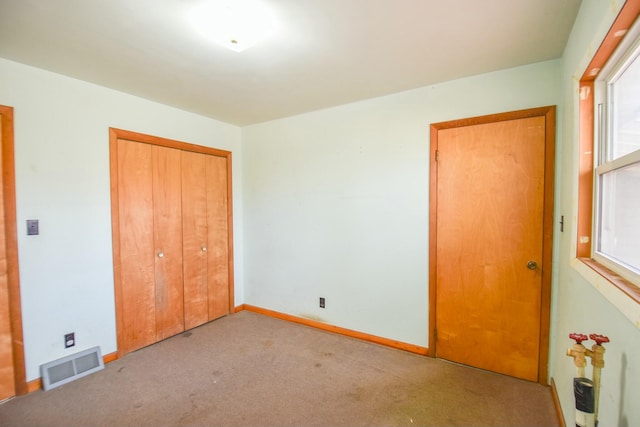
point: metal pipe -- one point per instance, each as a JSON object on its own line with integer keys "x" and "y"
{"x": 587, "y": 392}
{"x": 583, "y": 389}
{"x": 578, "y": 352}
{"x": 597, "y": 361}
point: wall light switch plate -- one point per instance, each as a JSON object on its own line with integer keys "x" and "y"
{"x": 32, "y": 227}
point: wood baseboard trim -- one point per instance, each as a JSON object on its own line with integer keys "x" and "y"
{"x": 36, "y": 384}
{"x": 108, "y": 358}
{"x": 556, "y": 403}
{"x": 336, "y": 329}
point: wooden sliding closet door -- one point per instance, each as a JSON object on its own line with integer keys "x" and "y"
{"x": 151, "y": 243}
{"x": 172, "y": 237}
{"x": 218, "y": 221}
{"x": 194, "y": 228}
{"x": 167, "y": 229}
{"x": 135, "y": 184}
{"x": 205, "y": 234}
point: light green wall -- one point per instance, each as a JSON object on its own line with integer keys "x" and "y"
{"x": 336, "y": 201}
{"x": 62, "y": 179}
{"x": 582, "y": 302}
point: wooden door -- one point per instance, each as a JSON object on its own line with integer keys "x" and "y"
{"x": 150, "y": 243}
{"x": 172, "y": 236}
{"x": 206, "y": 231}
{"x": 492, "y": 190}
{"x": 194, "y": 201}
{"x": 218, "y": 220}
{"x": 136, "y": 248}
{"x": 7, "y": 384}
{"x": 12, "y": 363}
{"x": 167, "y": 238}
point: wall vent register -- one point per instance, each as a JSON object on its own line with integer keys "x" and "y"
{"x": 70, "y": 368}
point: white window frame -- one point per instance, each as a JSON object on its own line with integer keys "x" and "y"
{"x": 628, "y": 50}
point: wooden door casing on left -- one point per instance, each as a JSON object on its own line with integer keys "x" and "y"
{"x": 12, "y": 363}
{"x": 168, "y": 201}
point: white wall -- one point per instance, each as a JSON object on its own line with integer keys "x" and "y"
{"x": 336, "y": 201}
{"x": 583, "y": 303}
{"x": 62, "y": 179}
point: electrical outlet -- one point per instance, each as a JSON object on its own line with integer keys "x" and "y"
{"x": 32, "y": 227}
{"x": 69, "y": 340}
{"x": 321, "y": 302}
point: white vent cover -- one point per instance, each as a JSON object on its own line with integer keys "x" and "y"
{"x": 71, "y": 368}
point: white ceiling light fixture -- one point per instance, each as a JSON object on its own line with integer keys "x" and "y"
{"x": 234, "y": 24}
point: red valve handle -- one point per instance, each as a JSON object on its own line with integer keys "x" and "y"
{"x": 599, "y": 339}
{"x": 579, "y": 337}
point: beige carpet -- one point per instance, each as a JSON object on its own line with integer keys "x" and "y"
{"x": 251, "y": 370}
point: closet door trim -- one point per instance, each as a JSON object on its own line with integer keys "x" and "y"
{"x": 116, "y": 134}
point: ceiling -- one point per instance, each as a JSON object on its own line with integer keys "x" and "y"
{"x": 325, "y": 52}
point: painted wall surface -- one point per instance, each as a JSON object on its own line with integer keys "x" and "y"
{"x": 583, "y": 302}
{"x": 329, "y": 204}
{"x": 62, "y": 179}
{"x": 337, "y": 201}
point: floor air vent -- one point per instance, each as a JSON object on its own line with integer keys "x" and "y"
{"x": 70, "y": 368}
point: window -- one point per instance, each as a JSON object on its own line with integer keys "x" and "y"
{"x": 617, "y": 161}
{"x": 609, "y": 180}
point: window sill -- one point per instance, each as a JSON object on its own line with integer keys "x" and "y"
{"x": 624, "y": 295}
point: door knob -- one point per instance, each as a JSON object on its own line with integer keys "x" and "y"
{"x": 160, "y": 254}
{"x": 204, "y": 249}
{"x": 532, "y": 265}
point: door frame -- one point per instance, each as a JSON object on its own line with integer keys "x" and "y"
{"x": 11, "y": 245}
{"x": 114, "y": 136}
{"x": 549, "y": 113}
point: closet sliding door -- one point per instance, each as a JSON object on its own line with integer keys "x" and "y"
{"x": 172, "y": 237}
{"x": 218, "y": 229}
{"x": 205, "y": 231}
{"x": 194, "y": 227}
{"x": 167, "y": 237}
{"x": 151, "y": 244}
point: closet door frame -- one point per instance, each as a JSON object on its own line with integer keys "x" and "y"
{"x": 117, "y": 134}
